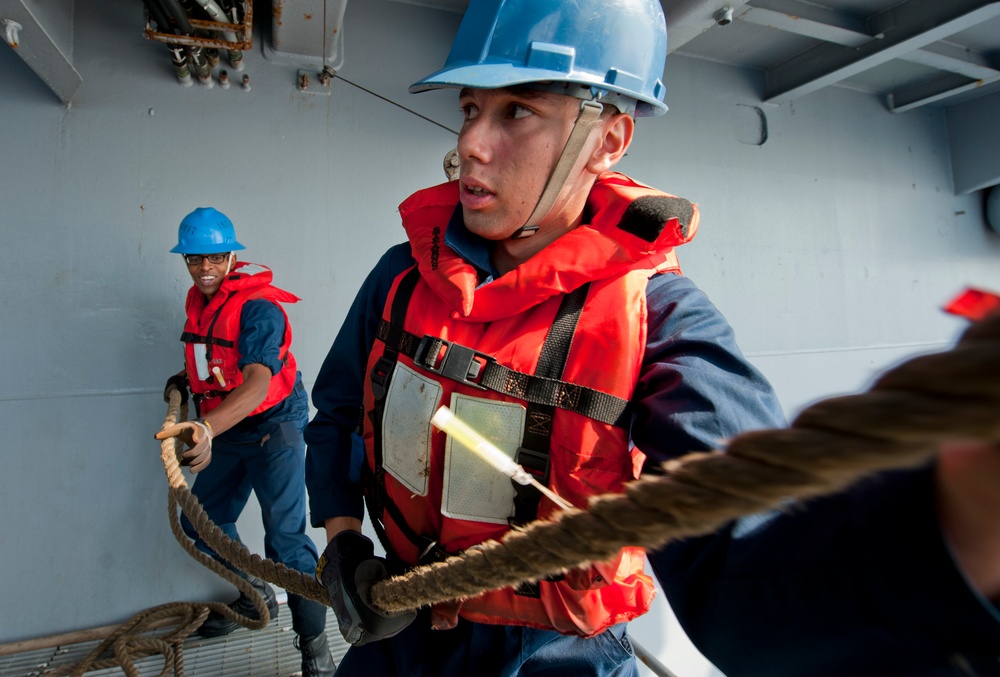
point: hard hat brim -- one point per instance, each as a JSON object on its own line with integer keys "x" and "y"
{"x": 499, "y": 75}
{"x": 213, "y": 248}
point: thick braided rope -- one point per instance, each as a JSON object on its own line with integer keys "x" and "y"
{"x": 899, "y": 422}
{"x": 232, "y": 551}
{"x": 133, "y": 640}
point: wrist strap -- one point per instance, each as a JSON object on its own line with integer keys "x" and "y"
{"x": 208, "y": 426}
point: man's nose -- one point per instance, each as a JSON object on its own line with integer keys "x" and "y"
{"x": 474, "y": 140}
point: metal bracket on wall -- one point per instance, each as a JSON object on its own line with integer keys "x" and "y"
{"x": 311, "y": 82}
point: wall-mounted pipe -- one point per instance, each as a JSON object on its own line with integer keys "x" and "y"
{"x": 215, "y": 12}
{"x": 174, "y": 9}
{"x": 158, "y": 16}
{"x": 201, "y": 67}
{"x": 181, "y": 68}
{"x": 235, "y": 55}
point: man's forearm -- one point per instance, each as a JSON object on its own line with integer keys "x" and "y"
{"x": 243, "y": 399}
{"x": 968, "y": 500}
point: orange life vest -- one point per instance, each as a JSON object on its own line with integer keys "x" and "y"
{"x": 544, "y": 358}
{"x": 216, "y": 327}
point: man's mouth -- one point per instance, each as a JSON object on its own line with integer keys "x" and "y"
{"x": 476, "y": 196}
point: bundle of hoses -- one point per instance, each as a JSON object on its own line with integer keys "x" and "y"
{"x": 900, "y": 421}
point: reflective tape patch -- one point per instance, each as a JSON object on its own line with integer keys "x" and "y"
{"x": 406, "y": 427}
{"x": 201, "y": 361}
{"x": 473, "y": 489}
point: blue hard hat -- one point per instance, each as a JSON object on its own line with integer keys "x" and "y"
{"x": 613, "y": 48}
{"x": 206, "y": 231}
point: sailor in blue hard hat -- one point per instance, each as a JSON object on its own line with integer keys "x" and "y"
{"x": 252, "y": 408}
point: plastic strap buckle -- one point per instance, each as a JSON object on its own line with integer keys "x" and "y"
{"x": 535, "y": 462}
{"x": 380, "y": 376}
{"x": 457, "y": 362}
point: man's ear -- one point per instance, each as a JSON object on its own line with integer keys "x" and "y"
{"x": 614, "y": 135}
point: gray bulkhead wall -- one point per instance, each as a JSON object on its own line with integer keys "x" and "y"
{"x": 830, "y": 248}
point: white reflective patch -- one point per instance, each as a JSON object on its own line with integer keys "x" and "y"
{"x": 200, "y": 361}
{"x": 473, "y": 489}
{"x": 251, "y": 269}
{"x": 406, "y": 427}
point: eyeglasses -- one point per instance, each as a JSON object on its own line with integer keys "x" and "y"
{"x": 196, "y": 259}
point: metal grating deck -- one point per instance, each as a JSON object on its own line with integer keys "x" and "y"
{"x": 244, "y": 653}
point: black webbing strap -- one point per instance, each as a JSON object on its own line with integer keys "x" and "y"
{"x": 427, "y": 549}
{"x": 209, "y": 340}
{"x": 380, "y": 376}
{"x": 191, "y": 337}
{"x": 480, "y": 370}
{"x": 211, "y": 328}
{"x": 533, "y": 455}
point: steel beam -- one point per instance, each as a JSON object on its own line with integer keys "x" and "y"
{"x": 903, "y": 29}
{"x": 917, "y": 96}
{"x": 974, "y": 149}
{"x": 24, "y": 29}
{"x": 795, "y": 16}
{"x": 810, "y": 29}
{"x": 951, "y": 64}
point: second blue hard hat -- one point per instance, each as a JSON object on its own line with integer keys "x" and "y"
{"x": 206, "y": 231}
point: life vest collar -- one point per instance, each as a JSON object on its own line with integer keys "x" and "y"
{"x": 626, "y": 222}
{"x": 216, "y": 323}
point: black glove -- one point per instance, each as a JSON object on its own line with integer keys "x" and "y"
{"x": 348, "y": 569}
{"x": 179, "y": 381}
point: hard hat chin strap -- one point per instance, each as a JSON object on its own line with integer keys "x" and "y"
{"x": 590, "y": 112}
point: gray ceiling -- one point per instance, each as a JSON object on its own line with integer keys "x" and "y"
{"x": 911, "y": 53}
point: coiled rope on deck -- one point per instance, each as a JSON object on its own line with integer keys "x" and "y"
{"x": 135, "y": 639}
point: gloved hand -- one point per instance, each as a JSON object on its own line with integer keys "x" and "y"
{"x": 348, "y": 569}
{"x": 197, "y": 435}
{"x": 180, "y": 382}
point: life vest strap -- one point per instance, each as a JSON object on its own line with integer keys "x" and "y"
{"x": 191, "y": 337}
{"x": 494, "y": 376}
{"x": 375, "y": 494}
